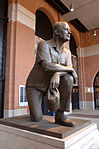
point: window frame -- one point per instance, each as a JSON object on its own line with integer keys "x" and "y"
{"x": 24, "y": 103}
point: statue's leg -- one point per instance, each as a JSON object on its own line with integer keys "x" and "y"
{"x": 65, "y": 89}
{"x": 34, "y": 98}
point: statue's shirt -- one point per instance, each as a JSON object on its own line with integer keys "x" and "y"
{"x": 46, "y": 51}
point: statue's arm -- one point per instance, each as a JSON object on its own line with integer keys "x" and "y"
{"x": 53, "y": 67}
{"x": 44, "y": 59}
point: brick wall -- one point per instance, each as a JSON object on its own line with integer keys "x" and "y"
{"x": 88, "y": 38}
{"x": 88, "y": 64}
{"x": 20, "y": 53}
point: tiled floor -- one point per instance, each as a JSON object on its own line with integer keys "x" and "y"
{"x": 92, "y": 115}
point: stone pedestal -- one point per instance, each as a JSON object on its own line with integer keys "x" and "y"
{"x": 20, "y": 133}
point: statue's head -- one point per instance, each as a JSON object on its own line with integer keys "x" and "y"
{"x": 62, "y": 30}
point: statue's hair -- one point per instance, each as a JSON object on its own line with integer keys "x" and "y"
{"x": 58, "y": 25}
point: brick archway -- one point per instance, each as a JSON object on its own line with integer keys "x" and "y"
{"x": 43, "y": 26}
{"x": 96, "y": 90}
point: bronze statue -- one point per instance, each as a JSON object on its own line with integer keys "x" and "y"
{"x": 52, "y": 69}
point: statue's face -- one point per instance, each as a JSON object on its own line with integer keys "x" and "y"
{"x": 64, "y": 32}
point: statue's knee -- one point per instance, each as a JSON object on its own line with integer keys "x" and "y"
{"x": 71, "y": 79}
{"x": 68, "y": 79}
{"x": 36, "y": 118}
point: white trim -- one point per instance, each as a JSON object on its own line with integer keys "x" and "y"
{"x": 17, "y": 12}
{"x": 11, "y": 113}
{"x": 22, "y": 103}
{"x": 81, "y": 105}
{"x": 86, "y": 105}
{"x": 89, "y": 51}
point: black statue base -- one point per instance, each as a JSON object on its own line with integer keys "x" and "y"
{"x": 47, "y": 126}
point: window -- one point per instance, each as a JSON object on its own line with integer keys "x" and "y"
{"x": 22, "y": 96}
{"x": 44, "y": 28}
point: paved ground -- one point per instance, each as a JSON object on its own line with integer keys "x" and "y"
{"x": 92, "y": 115}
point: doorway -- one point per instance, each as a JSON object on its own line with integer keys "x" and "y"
{"x": 75, "y": 90}
{"x": 96, "y": 90}
{"x": 3, "y": 31}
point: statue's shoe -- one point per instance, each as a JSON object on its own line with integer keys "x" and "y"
{"x": 63, "y": 119}
{"x": 66, "y": 122}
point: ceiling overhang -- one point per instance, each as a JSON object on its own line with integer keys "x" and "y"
{"x": 59, "y": 6}
{"x": 85, "y": 15}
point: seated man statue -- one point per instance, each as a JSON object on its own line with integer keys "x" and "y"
{"x": 52, "y": 69}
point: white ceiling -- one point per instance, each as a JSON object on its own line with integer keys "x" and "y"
{"x": 87, "y": 11}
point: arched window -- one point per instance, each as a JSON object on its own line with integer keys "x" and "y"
{"x": 72, "y": 45}
{"x": 43, "y": 26}
{"x": 96, "y": 90}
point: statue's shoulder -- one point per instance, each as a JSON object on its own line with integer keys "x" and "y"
{"x": 47, "y": 43}
{"x": 43, "y": 44}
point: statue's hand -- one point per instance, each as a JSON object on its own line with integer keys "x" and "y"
{"x": 55, "y": 80}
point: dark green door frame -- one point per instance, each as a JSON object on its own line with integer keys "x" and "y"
{"x": 3, "y": 32}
